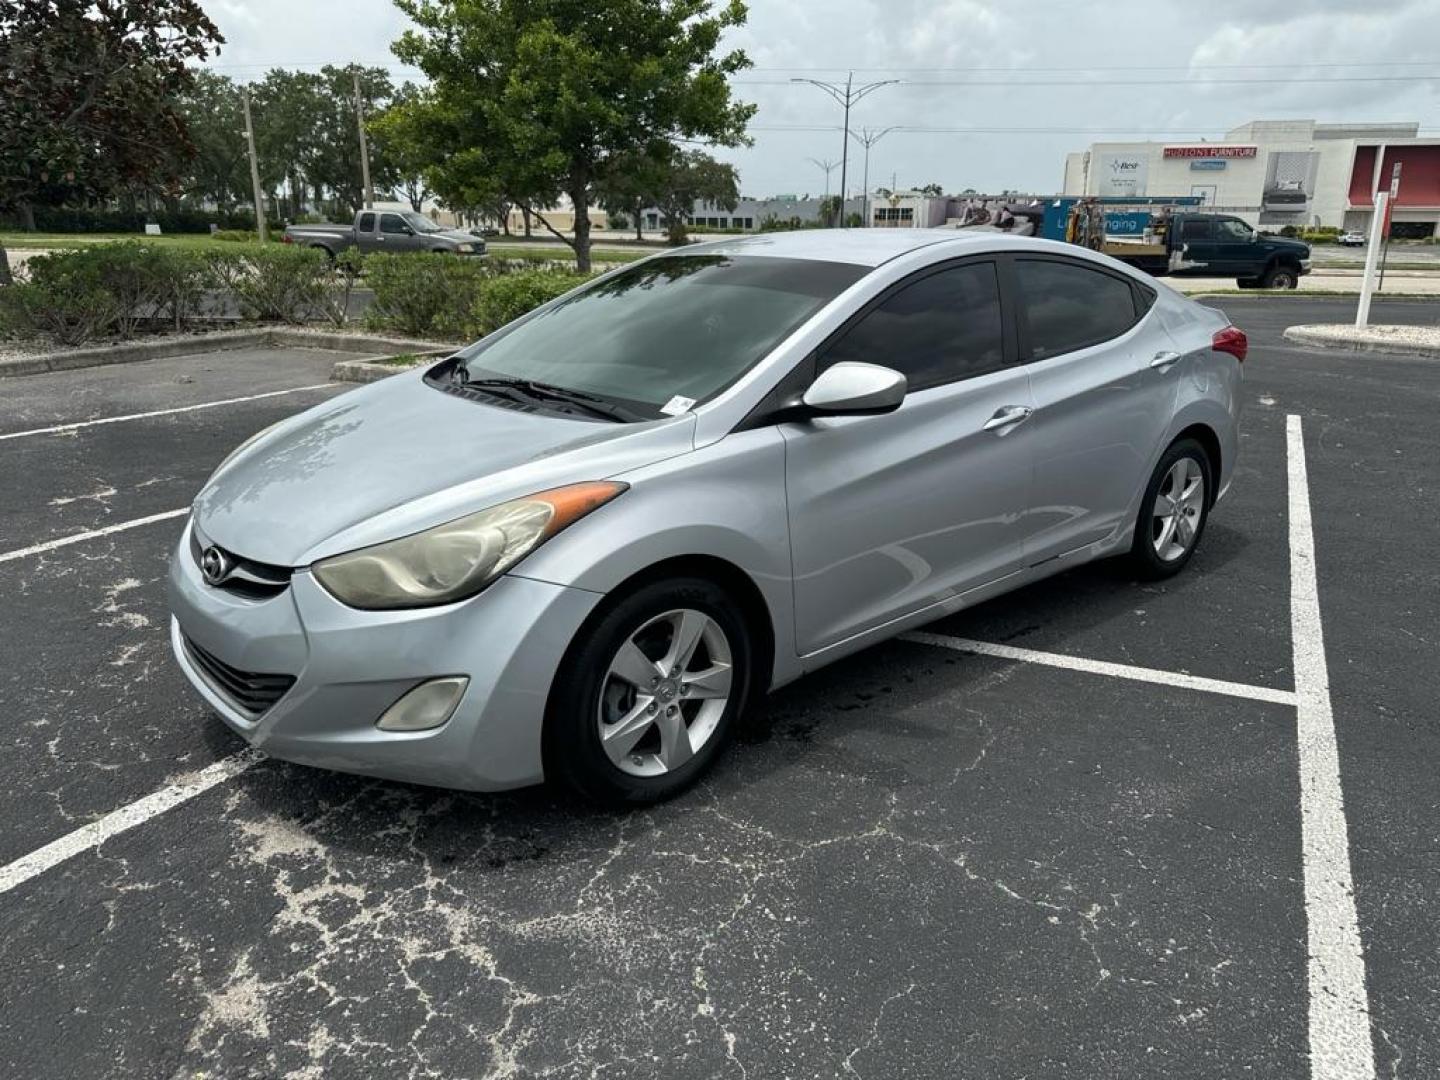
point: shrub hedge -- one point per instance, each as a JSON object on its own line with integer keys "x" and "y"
{"x": 114, "y": 290}
{"x": 505, "y": 297}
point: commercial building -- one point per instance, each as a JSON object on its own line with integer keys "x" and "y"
{"x": 1274, "y": 173}
{"x": 749, "y": 215}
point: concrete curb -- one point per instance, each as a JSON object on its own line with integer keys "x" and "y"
{"x": 137, "y": 351}
{"x": 368, "y": 371}
{"x": 1351, "y": 339}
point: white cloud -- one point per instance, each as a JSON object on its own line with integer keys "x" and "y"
{"x": 1043, "y": 41}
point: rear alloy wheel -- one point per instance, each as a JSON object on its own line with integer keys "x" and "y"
{"x": 1280, "y": 277}
{"x": 1173, "y": 511}
{"x": 645, "y": 702}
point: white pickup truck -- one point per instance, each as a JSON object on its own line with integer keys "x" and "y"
{"x": 386, "y": 230}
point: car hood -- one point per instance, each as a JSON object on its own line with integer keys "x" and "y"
{"x": 400, "y": 456}
{"x": 460, "y": 236}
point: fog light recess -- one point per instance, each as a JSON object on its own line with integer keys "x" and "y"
{"x": 426, "y": 706}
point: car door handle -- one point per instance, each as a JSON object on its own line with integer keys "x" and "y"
{"x": 1006, "y": 418}
{"x": 1163, "y": 361}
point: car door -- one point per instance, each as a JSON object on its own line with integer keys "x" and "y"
{"x": 395, "y": 235}
{"x": 1236, "y": 253}
{"x": 365, "y": 231}
{"x": 1197, "y": 247}
{"x": 1104, "y": 374}
{"x": 892, "y": 513}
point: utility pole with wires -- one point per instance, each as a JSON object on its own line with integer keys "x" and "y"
{"x": 867, "y": 139}
{"x": 261, "y": 226}
{"x": 847, "y": 96}
{"x": 364, "y": 146}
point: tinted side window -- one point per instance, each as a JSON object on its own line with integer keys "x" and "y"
{"x": 1195, "y": 229}
{"x": 1068, "y": 307}
{"x": 367, "y": 223}
{"x": 942, "y": 328}
{"x": 393, "y": 223}
{"x": 1232, "y": 230}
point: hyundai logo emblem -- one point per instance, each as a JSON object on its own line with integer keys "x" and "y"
{"x": 215, "y": 565}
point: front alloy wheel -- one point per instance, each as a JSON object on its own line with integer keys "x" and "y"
{"x": 664, "y": 694}
{"x": 645, "y": 698}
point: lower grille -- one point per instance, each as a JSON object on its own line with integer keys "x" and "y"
{"x": 250, "y": 691}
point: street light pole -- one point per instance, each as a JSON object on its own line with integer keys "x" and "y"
{"x": 868, "y": 139}
{"x": 847, "y": 96}
{"x": 829, "y": 167}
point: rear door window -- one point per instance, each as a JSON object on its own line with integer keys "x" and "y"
{"x": 1195, "y": 229}
{"x": 943, "y": 327}
{"x": 1067, "y": 306}
{"x": 367, "y": 223}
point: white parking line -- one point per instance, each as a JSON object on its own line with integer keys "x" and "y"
{"x": 1340, "y": 1044}
{"x": 127, "y": 817}
{"x": 76, "y": 538}
{"x": 56, "y": 429}
{"x": 1105, "y": 667}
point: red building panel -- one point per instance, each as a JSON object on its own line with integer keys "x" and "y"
{"x": 1419, "y": 174}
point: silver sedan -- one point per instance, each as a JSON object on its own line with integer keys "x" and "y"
{"x": 582, "y": 548}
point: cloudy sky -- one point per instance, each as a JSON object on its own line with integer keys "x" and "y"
{"x": 991, "y": 95}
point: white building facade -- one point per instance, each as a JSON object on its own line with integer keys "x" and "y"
{"x": 1278, "y": 172}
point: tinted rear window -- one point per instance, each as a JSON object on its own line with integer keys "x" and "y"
{"x": 1068, "y": 306}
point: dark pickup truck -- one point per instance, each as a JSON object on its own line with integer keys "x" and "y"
{"x": 386, "y": 230}
{"x": 1214, "y": 245}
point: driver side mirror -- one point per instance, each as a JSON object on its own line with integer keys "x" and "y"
{"x": 850, "y": 388}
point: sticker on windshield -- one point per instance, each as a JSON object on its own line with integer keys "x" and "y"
{"x": 677, "y": 405}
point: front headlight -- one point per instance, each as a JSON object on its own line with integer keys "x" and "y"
{"x": 464, "y": 248}
{"x": 453, "y": 561}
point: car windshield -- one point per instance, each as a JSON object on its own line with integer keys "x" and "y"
{"x": 681, "y": 326}
{"x": 420, "y": 223}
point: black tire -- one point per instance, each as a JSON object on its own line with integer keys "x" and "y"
{"x": 1144, "y": 558}
{"x": 573, "y": 754}
{"x": 1280, "y": 277}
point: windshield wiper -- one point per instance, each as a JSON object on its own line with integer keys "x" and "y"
{"x": 590, "y": 403}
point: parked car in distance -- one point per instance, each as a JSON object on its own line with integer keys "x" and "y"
{"x": 1352, "y": 239}
{"x": 584, "y": 547}
{"x": 386, "y": 230}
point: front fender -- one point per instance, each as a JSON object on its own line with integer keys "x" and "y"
{"x": 725, "y": 501}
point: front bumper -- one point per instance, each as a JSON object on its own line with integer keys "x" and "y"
{"x": 349, "y": 666}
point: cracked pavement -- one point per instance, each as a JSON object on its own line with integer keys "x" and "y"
{"x": 916, "y": 864}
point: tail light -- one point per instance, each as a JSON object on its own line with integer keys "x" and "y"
{"x": 286, "y": 238}
{"x": 1231, "y": 340}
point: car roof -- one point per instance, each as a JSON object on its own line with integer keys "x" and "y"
{"x": 862, "y": 247}
{"x": 872, "y": 247}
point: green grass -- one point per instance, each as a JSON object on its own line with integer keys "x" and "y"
{"x": 520, "y": 252}
{"x": 33, "y": 241}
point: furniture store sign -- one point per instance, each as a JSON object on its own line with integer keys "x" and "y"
{"x": 1218, "y": 152}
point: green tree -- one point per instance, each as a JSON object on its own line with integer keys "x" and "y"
{"x": 88, "y": 92}
{"x": 694, "y": 176}
{"x": 537, "y": 97}
{"x": 290, "y": 110}
{"x": 215, "y": 122}
{"x": 334, "y": 164}
{"x": 633, "y": 181}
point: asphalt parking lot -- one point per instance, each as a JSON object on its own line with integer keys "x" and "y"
{"x": 1086, "y": 830}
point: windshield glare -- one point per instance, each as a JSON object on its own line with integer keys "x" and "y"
{"x": 420, "y": 223}
{"x": 681, "y": 325}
